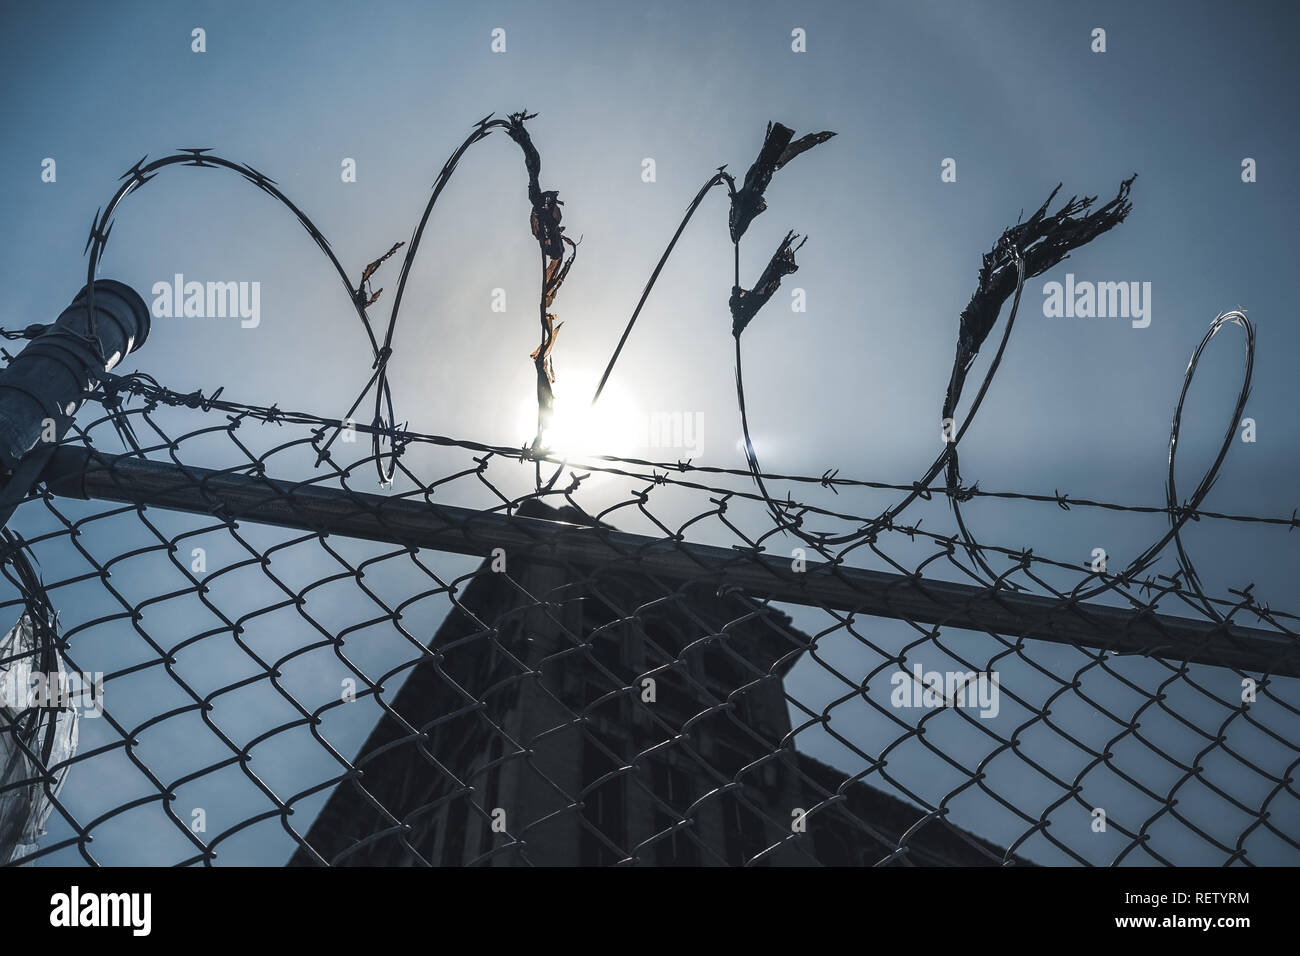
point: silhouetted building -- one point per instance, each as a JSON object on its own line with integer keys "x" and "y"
{"x": 611, "y": 718}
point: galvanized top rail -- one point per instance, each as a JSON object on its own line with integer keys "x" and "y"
{"x": 85, "y": 473}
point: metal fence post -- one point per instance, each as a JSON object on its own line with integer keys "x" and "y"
{"x": 49, "y": 379}
{"x": 45, "y": 384}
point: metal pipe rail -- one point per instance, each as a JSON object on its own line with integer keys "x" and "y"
{"x": 88, "y": 474}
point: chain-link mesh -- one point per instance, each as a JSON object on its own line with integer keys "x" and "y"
{"x": 633, "y": 666}
{"x": 629, "y": 662}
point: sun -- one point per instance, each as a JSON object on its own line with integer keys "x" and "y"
{"x": 577, "y": 430}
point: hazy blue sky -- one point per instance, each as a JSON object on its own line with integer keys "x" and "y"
{"x": 1011, "y": 91}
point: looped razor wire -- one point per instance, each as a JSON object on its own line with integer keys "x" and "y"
{"x": 486, "y": 667}
{"x": 545, "y": 227}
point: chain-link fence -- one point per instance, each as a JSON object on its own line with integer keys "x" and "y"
{"x": 273, "y": 661}
{"x": 229, "y": 647}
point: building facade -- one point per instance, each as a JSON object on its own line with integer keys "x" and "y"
{"x": 591, "y": 719}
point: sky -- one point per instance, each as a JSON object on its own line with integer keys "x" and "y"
{"x": 1012, "y": 92}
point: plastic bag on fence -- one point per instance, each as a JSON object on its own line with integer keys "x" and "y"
{"x": 30, "y": 729}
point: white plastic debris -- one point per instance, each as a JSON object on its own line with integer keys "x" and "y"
{"x": 31, "y": 727}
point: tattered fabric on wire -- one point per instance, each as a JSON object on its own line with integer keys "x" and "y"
{"x": 777, "y": 150}
{"x": 745, "y": 303}
{"x": 34, "y": 736}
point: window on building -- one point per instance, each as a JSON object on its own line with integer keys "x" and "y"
{"x": 742, "y": 828}
{"x": 720, "y": 670}
{"x": 742, "y": 831}
{"x": 492, "y": 793}
{"x": 453, "y": 848}
{"x": 604, "y": 809}
{"x": 672, "y": 785}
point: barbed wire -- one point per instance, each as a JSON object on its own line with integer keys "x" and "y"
{"x": 545, "y": 219}
{"x": 431, "y": 757}
{"x": 1028, "y": 248}
{"x": 613, "y": 697}
{"x": 146, "y": 387}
